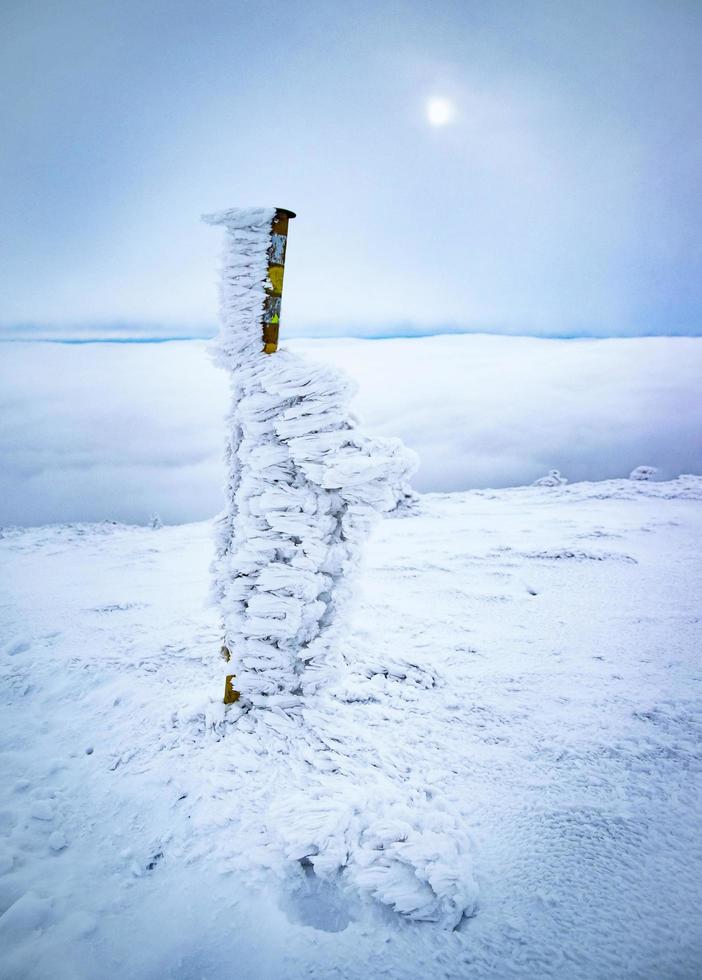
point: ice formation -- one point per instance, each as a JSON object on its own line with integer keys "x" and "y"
{"x": 303, "y": 485}
{"x": 552, "y": 479}
{"x": 643, "y": 473}
{"x": 411, "y": 855}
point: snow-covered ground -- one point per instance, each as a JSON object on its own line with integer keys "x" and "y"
{"x": 523, "y": 672}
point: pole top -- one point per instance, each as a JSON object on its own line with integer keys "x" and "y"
{"x": 237, "y": 218}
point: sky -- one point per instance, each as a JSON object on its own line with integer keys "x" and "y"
{"x": 519, "y": 167}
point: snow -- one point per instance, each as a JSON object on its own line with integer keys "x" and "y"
{"x": 123, "y": 431}
{"x": 522, "y": 685}
{"x": 552, "y": 479}
{"x": 643, "y": 473}
{"x": 302, "y": 486}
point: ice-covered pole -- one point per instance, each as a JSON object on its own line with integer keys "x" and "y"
{"x": 302, "y": 482}
{"x": 276, "y": 270}
{"x": 243, "y": 226}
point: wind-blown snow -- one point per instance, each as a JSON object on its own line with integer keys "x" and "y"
{"x": 123, "y": 431}
{"x": 522, "y": 664}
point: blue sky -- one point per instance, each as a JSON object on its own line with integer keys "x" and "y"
{"x": 562, "y": 198}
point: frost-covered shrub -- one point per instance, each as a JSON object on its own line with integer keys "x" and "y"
{"x": 643, "y": 473}
{"x": 552, "y": 479}
{"x": 303, "y": 485}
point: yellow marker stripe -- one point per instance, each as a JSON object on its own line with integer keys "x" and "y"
{"x": 275, "y": 274}
{"x": 230, "y": 694}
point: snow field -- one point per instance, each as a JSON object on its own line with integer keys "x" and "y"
{"x": 522, "y": 686}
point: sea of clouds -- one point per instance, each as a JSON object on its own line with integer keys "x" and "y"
{"x": 124, "y": 431}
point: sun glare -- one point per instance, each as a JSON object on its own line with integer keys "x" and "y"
{"x": 440, "y": 111}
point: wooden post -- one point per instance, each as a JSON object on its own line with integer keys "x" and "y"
{"x": 276, "y": 269}
{"x": 270, "y": 322}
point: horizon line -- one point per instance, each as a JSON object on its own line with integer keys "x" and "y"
{"x": 351, "y": 334}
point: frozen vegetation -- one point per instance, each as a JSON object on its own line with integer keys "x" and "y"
{"x": 521, "y": 676}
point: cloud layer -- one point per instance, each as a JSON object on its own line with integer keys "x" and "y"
{"x": 121, "y": 431}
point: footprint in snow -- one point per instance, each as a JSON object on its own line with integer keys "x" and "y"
{"x": 24, "y": 916}
{"x": 17, "y": 648}
{"x": 57, "y": 842}
{"x": 8, "y": 821}
{"x": 320, "y": 903}
{"x": 41, "y": 810}
{"x": 7, "y": 861}
{"x": 138, "y": 869}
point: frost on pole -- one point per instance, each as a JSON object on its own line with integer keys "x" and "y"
{"x": 303, "y": 484}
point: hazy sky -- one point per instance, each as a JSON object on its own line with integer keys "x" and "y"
{"x": 562, "y": 195}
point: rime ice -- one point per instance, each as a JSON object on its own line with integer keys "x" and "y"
{"x": 303, "y": 485}
{"x": 552, "y": 479}
{"x": 643, "y": 473}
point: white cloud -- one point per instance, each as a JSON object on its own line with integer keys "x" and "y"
{"x": 120, "y": 431}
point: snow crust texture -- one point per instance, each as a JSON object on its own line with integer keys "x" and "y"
{"x": 303, "y": 485}
{"x": 522, "y": 664}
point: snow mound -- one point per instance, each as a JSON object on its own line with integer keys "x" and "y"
{"x": 552, "y": 479}
{"x": 643, "y": 473}
{"x": 411, "y": 856}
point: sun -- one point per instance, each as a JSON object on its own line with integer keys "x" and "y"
{"x": 440, "y": 111}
